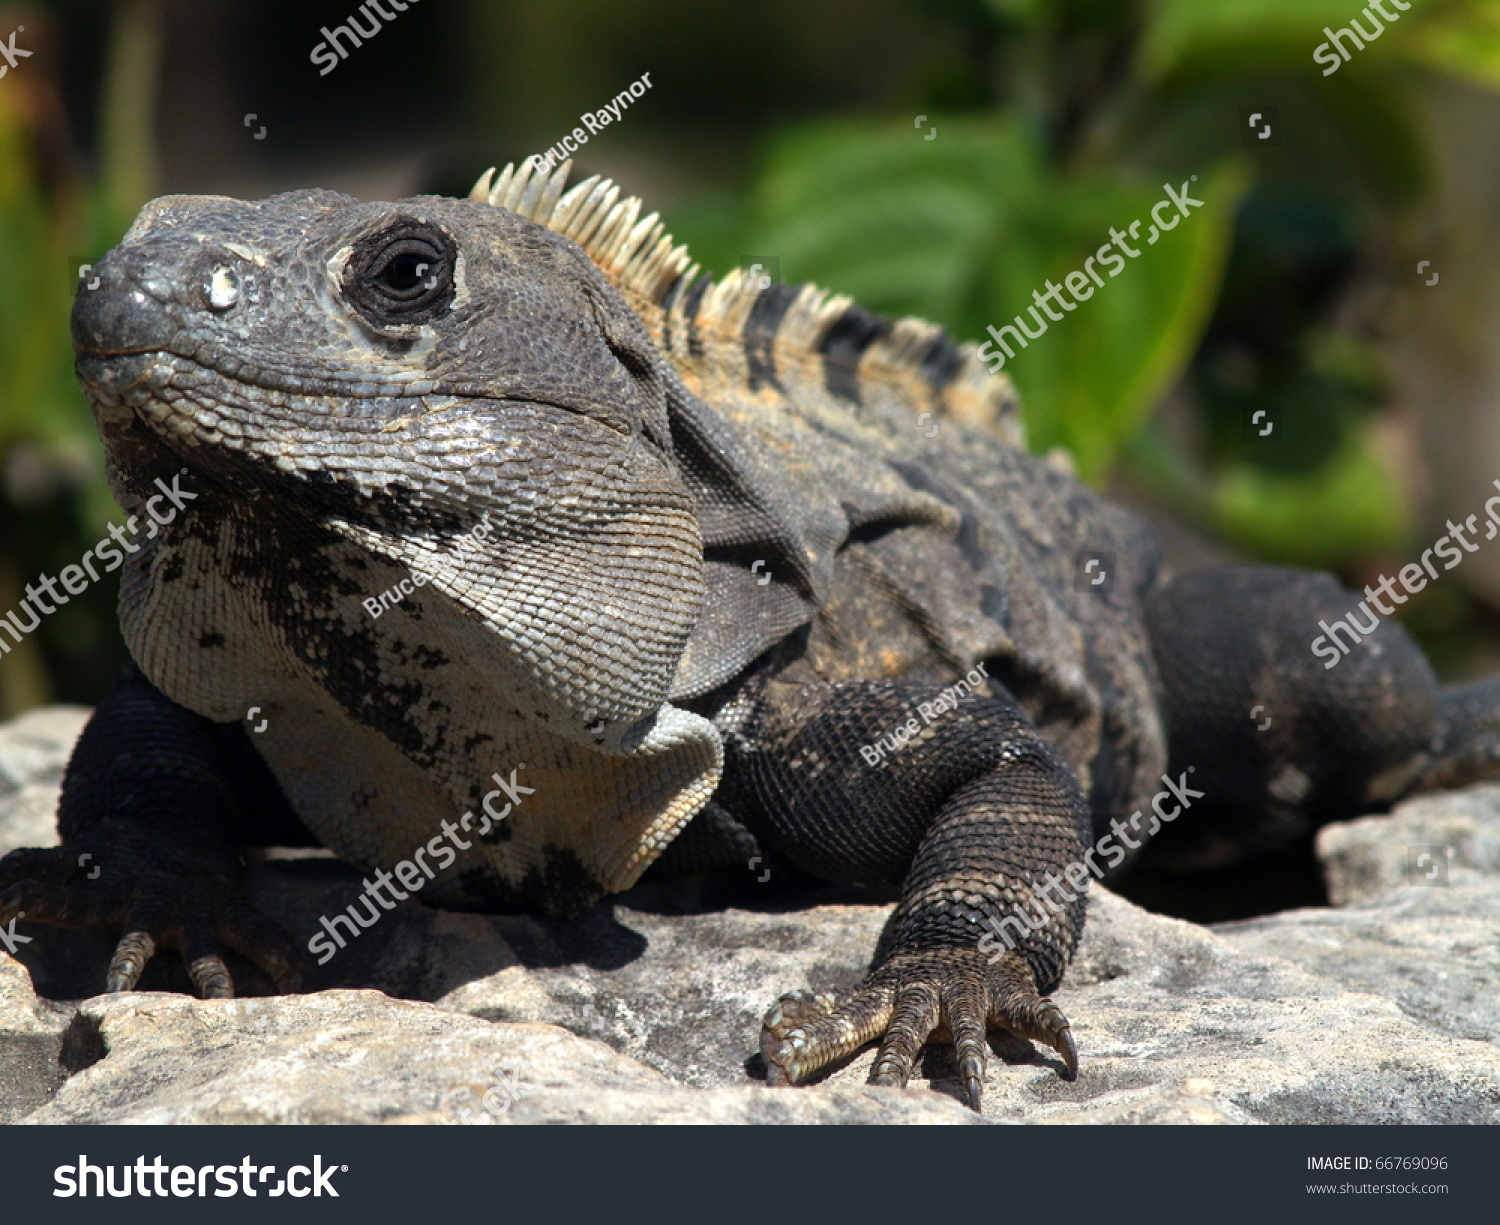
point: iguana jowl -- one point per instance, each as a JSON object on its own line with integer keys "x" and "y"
{"x": 725, "y": 553}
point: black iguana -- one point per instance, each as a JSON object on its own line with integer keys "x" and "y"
{"x": 726, "y": 558}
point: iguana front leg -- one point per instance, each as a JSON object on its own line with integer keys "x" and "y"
{"x": 157, "y": 803}
{"x": 972, "y": 815}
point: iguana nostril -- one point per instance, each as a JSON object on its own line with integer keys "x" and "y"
{"x": 123, "y": 313}
{"x": 223, "y": 289}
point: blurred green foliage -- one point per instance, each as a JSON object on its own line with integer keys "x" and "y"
{"x": 1055, "y": 121}
{"x": 1074, "y": 113}
{"x": 53, "y": 500}
{"x": 964, "y": 227}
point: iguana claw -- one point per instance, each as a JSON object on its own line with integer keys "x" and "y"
{"x": 952, "y": 994}
{"x": 198, "y": 906}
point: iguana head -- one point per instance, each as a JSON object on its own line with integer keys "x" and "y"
{"x": 350, "y": 389}
{"x": 400, "y": 370}
{"x": 316, "y": 297}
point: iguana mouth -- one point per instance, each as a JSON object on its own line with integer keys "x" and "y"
{"x": 101, "y": 370}
{"x": 113, "y": 370}
{"x": 115, "y": 373}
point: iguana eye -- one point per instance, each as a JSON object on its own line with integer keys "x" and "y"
{"x": 402, "y": 275}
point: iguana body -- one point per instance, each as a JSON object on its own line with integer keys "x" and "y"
{"x": 724, "y": 552}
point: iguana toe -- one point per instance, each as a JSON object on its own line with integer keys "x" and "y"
{"x": 191, "y": 900}
{"x": 951, "y": 994}
{"x": 43, "y": 885}
{"x": 803, "y": 1032}
{"x": 248, "y": 932}
{"x": 135, "y": 949}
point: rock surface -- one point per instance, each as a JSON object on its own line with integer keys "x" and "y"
{"x": 1385, "y": 1008}
{"x": 33, "y": 751}
{"x": 1420, "y": 931}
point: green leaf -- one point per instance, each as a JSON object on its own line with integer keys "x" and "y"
{"x": 1462, "y": 40}
{"x": 1028, "y": 12}
{"x": 1458, "y": 37}
{"x": 1183, "y": 30}
{"x": 964, "y": 228}
{"x": 904, "y": 224}
{"x": 1091, "y": 380}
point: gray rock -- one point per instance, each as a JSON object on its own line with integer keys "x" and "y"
{"x": 1425, "y": 846}
{"x": 1156, "y": 1004}
{"x": 1421, "y": 932}
{"x": 648, "y": 1010}
{"x": 362, "y": 1057}
{"x": 690, "y": 1005}
{"x": 1194, "y": 1102}
{"x": 332, "y": 1057}
{"x": 33, "y": 751}
{"x": 31, "y": 1044}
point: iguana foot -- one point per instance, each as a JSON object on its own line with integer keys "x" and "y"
{"x": 193, "y": 901}
{"x": 952, "y": 994}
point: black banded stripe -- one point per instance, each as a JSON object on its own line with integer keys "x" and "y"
{"x": 668, "y": 301}
{"x": 690, "y": 304}
{"x": 851, "y": 334}
{"x": 941, "y": 362}
{"x": 761, "y": 326}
